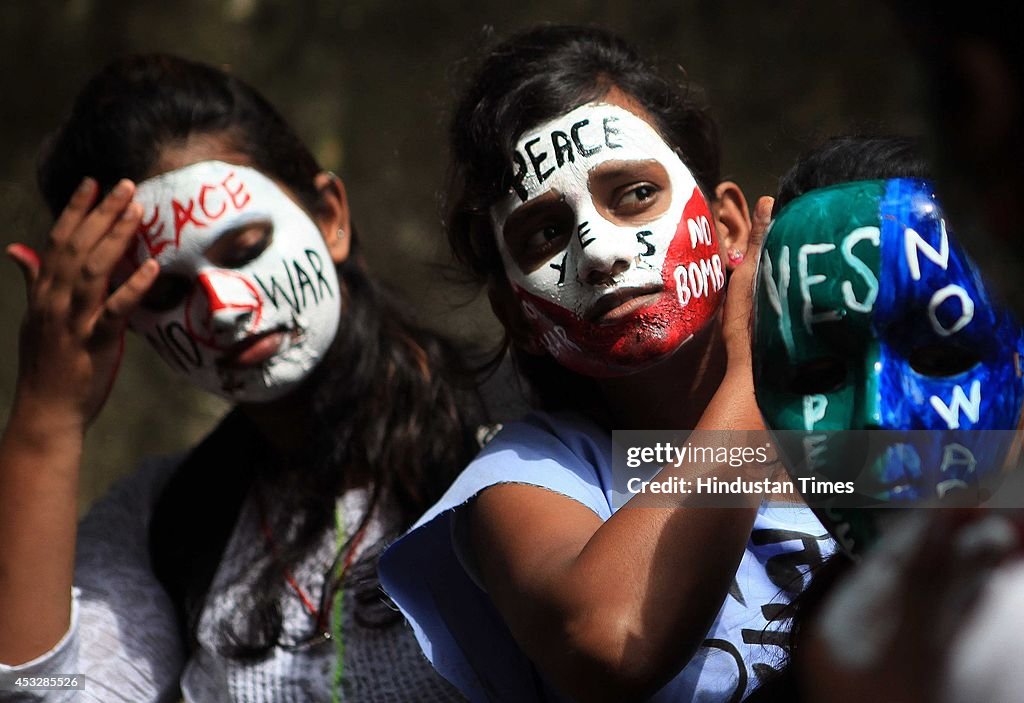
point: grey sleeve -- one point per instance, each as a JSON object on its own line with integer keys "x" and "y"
{"x": 124, "y": 639}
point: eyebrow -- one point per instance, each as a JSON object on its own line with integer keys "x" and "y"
{"x": 526, "y": 212}
{"x": 620, "y": 167}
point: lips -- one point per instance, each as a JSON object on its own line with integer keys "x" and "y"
{"x": 254, "y": 350}
{"x": 620, "y": 304}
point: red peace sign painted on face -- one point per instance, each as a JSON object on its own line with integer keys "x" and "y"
{"x": 221, "y": 304}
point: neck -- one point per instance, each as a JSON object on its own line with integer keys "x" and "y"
{"x": 284, "y": 422}
{"x": 672, "y": 394}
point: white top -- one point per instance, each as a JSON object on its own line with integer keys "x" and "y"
{"x": 466, "y": 638}
{"x": 124, "y": 635}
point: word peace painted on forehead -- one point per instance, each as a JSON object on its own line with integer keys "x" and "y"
{"x": 565, "y": 146}
{"x": 210, "y": 202}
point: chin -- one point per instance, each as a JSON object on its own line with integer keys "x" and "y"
{"x": 263, "y": 384}
{"x": 638, "y": 350}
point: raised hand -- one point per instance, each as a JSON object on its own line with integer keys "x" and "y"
{"x": 71, "y": 341}
{"x": 72, "y": 334}
{"x": 739, "y": 299}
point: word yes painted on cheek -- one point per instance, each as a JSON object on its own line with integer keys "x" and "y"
{"x": 777, "y": 291}
{"x": 299, "y": 282}
{"x": 211, "y": 202}
{"x": 565, "y": 147}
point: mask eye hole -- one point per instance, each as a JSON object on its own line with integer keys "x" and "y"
{"x": 822, "y": 375}
{"x": 167, "y": 292}
{"x": 942, "y": 360}
{"x": 238, "y": 246}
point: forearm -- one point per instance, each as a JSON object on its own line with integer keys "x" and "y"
{"x": 613, "y": 610}
{"x": 40, "y": 453}
{"x": 642, "y": 616}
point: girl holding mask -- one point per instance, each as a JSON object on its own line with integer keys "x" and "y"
{"x": 189, "y": 210}
{"x": 586, "y": 194}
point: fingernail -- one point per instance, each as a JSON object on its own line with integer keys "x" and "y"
{"x": 85, "y": 186}
{"x": 122, "y": 188}
{"x": 17, "y": 252}
{"x": 132, "y": 212}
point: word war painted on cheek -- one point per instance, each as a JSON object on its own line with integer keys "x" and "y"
{"x": 209, "y": 204}
{"x": 299, "y": 283}
{"x": 553, "y": 337}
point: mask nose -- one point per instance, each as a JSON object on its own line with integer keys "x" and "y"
{"x": 227, "y": 304}
{"x": 870, "y": 416}
{"x": 606, "y": 252}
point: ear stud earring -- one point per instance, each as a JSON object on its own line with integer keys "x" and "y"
{"x": 735, "y": 256}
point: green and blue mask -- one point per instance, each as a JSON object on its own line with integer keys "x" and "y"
{"x": 869, "y": 316}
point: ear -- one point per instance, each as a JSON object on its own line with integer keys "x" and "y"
{"x": 332, "y": 215}
{"x": 509, "y": 312}
{"x": 732, "y": 223}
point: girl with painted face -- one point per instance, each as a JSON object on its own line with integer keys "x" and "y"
{"x": 189, "y": 211}
{"x": 586, "y": 194}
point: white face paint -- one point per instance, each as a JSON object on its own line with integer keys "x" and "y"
{"x": 247, "y": 302}
{"x": 608, "y": 242}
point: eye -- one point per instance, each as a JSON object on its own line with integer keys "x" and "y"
{"x": 545, "y": 240}
{"x": 942, "y": 360}
{"x": 237, "y": 247}
{"x": 636, "y": 198}
{"x": 167, "y": 292}
{"x": 823, "y": 375}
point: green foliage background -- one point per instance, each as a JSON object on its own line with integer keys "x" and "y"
{"x": 369, "y": 85}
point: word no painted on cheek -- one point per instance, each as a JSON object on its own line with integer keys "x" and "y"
{"x": 211, "y": 202}
{"x": 914, "y": 245}
{"x": 696, "y": 279}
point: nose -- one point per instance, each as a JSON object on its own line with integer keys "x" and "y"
{"x": 870, "y": 416}
{"x": 604, "y": 254}
{"x": 231, "y": 305}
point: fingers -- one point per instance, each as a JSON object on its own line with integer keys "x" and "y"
{"x": 28, "y": 261}
{"x": 762, "y": 218}
{"x": 68, "y": 249}
{"x": 123, "y": 301}
{"x": 92, "y": 283}
{"x": 75, "y": 211}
